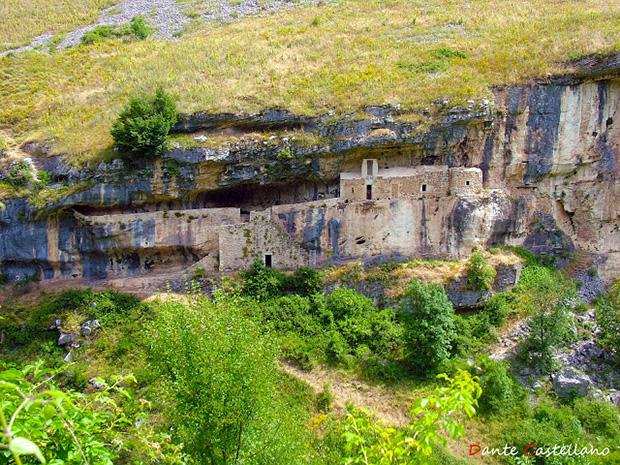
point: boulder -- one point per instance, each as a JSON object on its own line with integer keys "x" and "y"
{"x": 570, "y": 382}
{"x": 66, "y": 339}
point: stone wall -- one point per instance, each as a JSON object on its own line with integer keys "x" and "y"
{"x": 241, "y": 244}
{"x": 410, "y": 182}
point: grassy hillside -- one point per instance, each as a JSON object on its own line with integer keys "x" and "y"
{"x": 22, "y": 20}
{"x": 341, "y": 55}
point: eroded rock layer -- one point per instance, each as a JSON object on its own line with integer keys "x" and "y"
{"x": 548, "y": 153}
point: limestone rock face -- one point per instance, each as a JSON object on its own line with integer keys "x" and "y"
{"x": 548, "y": 153}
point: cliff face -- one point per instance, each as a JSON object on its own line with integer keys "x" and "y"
{"x": 548, "y": 152}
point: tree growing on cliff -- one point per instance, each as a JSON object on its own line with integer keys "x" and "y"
{"x": 428, "y": 319}
{"x": 143, "y": 126}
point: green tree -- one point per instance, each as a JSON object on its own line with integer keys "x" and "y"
{"x": 372, "y": 442}
{"x": 220, "y": 374}
{"x": 428, "y": 319}
{"x": 143, "y": 126}
{"x": 480, "y": 275}
{"x": 608, "y": 319}
{"x": 548, "y": 296}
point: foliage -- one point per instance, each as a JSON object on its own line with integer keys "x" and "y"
{"x": 139, "y": 28}
{"x": 547, "y": 424}
{"x": 549, "y": 297}
{"x": 480, "y": 275}
{"x": 369, "y": 441}
{"x": 499, "y": 306}
{"x": 63, "y": 427}
{"x": 598, "y": 417}
{"x": 261, "y": 283}
{"x": 608, "y": 319}
{"x": 143, "y": 126}
{"x": 220, "y": 374}
{"x": 99, "y": 34}
{"x": 499, "y": 390}
{"x": 325, "y": 399}
{"x": 361, "y": 323}
{"x": 428, "y": 319}
{"x": 304, "y": 281}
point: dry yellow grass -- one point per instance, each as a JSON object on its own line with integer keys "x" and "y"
{"x": 397, "y": 277}
{"x": 22, "y": 20}
{"x": 340, "y": 56}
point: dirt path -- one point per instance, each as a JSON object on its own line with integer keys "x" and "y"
{"x": 391, "y": 407}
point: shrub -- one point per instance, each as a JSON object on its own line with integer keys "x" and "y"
{"x": 472, "y": 332}
{"x": 499, "y": 391}
{"x": 498, "y": 307}
{"x": 428, "y": 320}
{"x": 325, "y": 399}
{"x": 139, "y": 28}
{"x": 4, "y": 146}
{"x": 480, "y": 275}
{"x": 143, "y": 126}
{"x": 304, "y": 281}
{"x": 598, "y": 417}
{"x": 98, "y": 34}
{"x": 608, "y": 318}
{"x": 262, "y": 283}
{"x": 361, "y": 323}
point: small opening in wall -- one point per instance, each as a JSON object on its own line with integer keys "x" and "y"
{"x": 467, "y": 183}
{"x": 353, "y": 190}
{"x": 368, "y": 192}
{"x": 268, "y": 260}
{"x": 423, "y": 187}
{"x": 609, "y": 121}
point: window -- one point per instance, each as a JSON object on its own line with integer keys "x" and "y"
{"x": 369, "y": 192}
{"x": 467, "y": 183}
{"x": 423, "y": 187}
{"x": 268, "y": 260}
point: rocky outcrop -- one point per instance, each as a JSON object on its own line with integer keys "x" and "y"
{"x": 548, "y": 152}
{"x": 570, "y": 383}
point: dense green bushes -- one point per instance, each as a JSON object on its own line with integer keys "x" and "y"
{"x": 143, "y": 126}
{"x": 220, "y": 373}
{"x": 428, "y": 320}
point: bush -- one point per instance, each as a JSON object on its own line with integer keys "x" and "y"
{"x": 472, "y": 332}
{"x": 361, "y": 323}
{"x": 325, "y": 399}
{"x": 499, "y": 390}
{"x": 143, "y": 126}
{"x": 598, "y": 417}
{"x": 498, "y": 307}
{"x": 99, "y": 34}
{"x": 262, "y": 283}
{"x": 304, "y": 281}
{"x": 139, "y": 28}
{"x": 480, "y": 275}
{"x": 428, "y": 320}
{"x": 608, "y": 318}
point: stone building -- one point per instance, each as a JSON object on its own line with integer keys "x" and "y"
{"x": 372, "y": 183}
{"x": 425, "y": 211}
